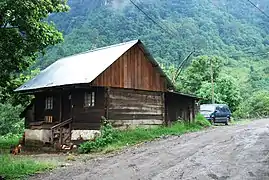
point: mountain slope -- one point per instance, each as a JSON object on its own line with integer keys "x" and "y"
{"x": 232, "y": 29}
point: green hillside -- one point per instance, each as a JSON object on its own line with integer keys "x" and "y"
{"x": 228, "y": 28}
{"x": 232, "y": 30}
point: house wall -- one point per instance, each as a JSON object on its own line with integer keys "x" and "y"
{"x": 29, "y": 115}
{"x": 179, "y": 107}
{"x": 87, "y": 118}
{"x": 134, "y": 71}
{"x": 41, "y": 112}
{"x": 127, "y": 107}
{"x": 84, "y": 118}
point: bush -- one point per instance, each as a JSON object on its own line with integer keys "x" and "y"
{"x": 107, "y": 136}
{"x": 8, "y": 140}
{"x": 256, "y": 106}
{"x": 10, "y": 121}
{"x": 202, "y": 121}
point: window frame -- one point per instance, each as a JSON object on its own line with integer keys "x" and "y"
{"x": 89, "y": 99}
{"x": 49, "y": 102}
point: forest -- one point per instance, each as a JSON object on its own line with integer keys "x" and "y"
{"x": 229, "y": 35}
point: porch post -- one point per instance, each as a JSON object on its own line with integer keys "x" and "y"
{"x": 60, "y": 109}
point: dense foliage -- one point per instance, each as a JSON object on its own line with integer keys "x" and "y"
{"x": 233, "y": 34}
{"x": 255, "y": 106}
{"x": 25, "y": 33}
{"x": 10, "y": 122}
{"x": 230, "y": 29}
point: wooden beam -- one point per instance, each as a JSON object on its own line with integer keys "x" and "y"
{"x": 60, "y": 109}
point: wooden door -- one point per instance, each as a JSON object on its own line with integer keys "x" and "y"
{"x": 66, "y": 106}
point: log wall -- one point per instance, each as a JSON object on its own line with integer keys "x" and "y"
{"x": 87, "y": 118}
{"x": 126, "y": 107}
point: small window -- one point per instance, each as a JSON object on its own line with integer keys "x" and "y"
{"x": 89, "y": 99}
{"x": 49, "y": 103}
{"x": 48, "y": 119}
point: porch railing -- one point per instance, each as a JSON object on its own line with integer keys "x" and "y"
{"x": 61, "y": 133}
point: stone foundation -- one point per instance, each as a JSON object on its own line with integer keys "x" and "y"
{"x": 38, "y": 136}
{"x": 85, "y": 134}
{"x": 42, "y": 136}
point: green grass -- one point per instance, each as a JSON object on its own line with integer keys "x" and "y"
{"x": 135, "y": 136}
{"x": 7, "y": 141}
{"x": 130, "y": 137}
{"x": 17, "y": 167}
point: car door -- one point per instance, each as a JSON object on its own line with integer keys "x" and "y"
{"x": 223, "y": 113}
{"x": 228, "y": 112}
{"x": 218, "y": 113}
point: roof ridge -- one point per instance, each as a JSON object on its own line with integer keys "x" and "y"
{"x": 100, "y": 48}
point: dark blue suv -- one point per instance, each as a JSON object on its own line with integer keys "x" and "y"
{"x": 216, "y": 113}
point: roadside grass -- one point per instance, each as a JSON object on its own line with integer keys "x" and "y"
{"x": 7, "y": 141}
{"x": 17, "y": 167}
{"x": 118, "y": 139}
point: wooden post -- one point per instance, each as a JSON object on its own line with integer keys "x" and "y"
{"x": 61, "y": 136}
{"x": 60, "y": 109}
{"x": 70, "y": 131}
{"x": 52, "y": 136}
{"x": 107, "y": 102}
{"x": 212, "y": 81}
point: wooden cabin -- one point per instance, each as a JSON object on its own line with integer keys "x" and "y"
{"x": 122, "y": 83}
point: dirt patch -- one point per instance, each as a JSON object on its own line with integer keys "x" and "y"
{"x": 233, "y": 152}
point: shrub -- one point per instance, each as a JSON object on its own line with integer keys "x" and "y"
{"x": 107, "y": 136}
{"x": 202, "y": 121}
{"x": 256, "y": 106}
{"x": 10, "y": 121}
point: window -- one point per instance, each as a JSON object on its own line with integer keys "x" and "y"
{"x": 49, "y": 103}
{"x": 89, "y": 99}
{"x": 48, "y": 119}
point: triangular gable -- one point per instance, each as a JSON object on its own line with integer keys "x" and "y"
{"x": 81, "y": 68}
{"x": 134, "y": 70}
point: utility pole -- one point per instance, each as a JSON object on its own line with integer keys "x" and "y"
{"x": 212, "y": 82}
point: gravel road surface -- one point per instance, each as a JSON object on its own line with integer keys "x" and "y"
{"x": 236, "y": 152}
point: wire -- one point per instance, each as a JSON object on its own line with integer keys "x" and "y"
{"x": 166, "y": 30}
{"x": 258, "y": 8}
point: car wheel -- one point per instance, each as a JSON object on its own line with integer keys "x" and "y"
{"x": 227, "y": 122}
{"x": 212, "y": 121}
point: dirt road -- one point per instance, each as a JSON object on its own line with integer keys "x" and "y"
{"x": 235, "y": 152}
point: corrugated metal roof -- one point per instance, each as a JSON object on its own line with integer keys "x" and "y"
{"x": 81, "y": 68}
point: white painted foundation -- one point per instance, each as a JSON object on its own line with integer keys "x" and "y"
{"x": 43, "y": 136}
{"x": 37, "y": 135}
{"x": 85, "y": 134}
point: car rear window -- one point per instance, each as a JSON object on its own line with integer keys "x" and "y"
{"x": 207, "y": 107}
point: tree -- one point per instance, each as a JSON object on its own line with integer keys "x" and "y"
{"x": 256, "y": 105}
{"x": 200, "y": 71}
{"x": 25, "y": 33}
{"x": 226, "y": 91}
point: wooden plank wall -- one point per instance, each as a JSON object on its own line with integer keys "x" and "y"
{"x": 179, "y": 106}
{"x": 87, "y": 118}
{"x": 40, "y": 111}
{"x": 29, "y": 115}
{"x": 132, "y": 70}
{"x": 128, "y": 107}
